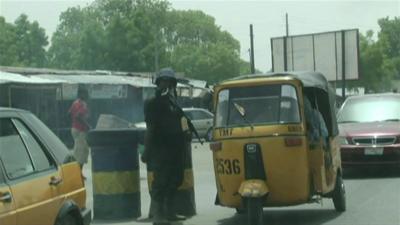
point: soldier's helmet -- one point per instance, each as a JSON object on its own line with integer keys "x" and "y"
{"x": 166, "y": 74}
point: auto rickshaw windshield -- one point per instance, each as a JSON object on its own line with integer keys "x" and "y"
{"x": 263, "y": 104}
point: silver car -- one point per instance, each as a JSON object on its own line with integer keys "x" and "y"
{"x": 202, "y": 120}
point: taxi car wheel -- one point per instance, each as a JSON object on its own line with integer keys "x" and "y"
{"x": 68, "y": 220}
{"x": 255, "y": 211}
{"x": 339, "y": 194}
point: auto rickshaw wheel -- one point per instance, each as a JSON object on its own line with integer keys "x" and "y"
{"x": 68, "y": 219}
{"x": 339, "y": 194}
{"x": 254, "y": 208}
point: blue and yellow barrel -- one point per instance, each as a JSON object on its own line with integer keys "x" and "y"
{"x": 115, "y": 173}
{"x": 184, "y": 202}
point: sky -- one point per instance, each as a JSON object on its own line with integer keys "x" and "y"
{"x": 267, "y": 17}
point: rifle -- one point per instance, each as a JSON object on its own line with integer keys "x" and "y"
{"x": 190, "y": 124}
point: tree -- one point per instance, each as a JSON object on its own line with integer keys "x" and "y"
{"x": 22, "y": 43}
{"x": 143, "y": 35}
{"x": 198, "y": 47}
{"x": 31, "y": 40}
{"x": 380, "y": 59}
{"x": 109, "y": 34}
{"x": 373, "y": 77}
{"x": 389, "y": 40}
{"x": 68, "y": 50}
{"x": 8, "y": 46}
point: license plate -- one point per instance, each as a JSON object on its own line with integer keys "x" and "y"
{"x": 373, "y": 151}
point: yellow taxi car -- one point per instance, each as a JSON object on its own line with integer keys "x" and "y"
{"x": 40, "y": 182}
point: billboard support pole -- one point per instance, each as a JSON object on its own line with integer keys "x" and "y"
{"x": 285, "y": 66}
{"x": 285, "y": 53}
{"x": 252, "y": 67}
{"x": 343, "y": 66}
{"x": 287, "y": 25}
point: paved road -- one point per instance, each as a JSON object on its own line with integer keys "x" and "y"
{"x": 373, "y": 198}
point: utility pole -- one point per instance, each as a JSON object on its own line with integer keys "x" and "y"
{"x": 285, "y": 40}
{"x": 343, "y": 65}
{"x": 156, "y": 58}
{"x": 156, "y": 54}
{"x": 157, "y": 36}
{"x": 287, "y": 25}
{"x": 252, "y": 67}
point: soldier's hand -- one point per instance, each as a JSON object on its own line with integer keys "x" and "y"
{"x": 188, "y": 136}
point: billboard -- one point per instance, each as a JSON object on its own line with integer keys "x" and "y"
{"x": 334, "y": 54}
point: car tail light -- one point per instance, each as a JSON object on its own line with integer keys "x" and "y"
{"x": 216, "y": 146}
{"x": 293, "y": 141}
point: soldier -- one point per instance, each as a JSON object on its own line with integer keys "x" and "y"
{"x": 166, "y": 139}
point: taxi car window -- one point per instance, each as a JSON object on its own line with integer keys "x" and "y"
{"x": 40, "y": 159}
{"x": 373, "y": 108}
{"x": 60, "y": 152}
{"x": 2, "y": 179}
{"x": 13, "y": 152}
{"x": 189, "y": 114}
{"x": 200, "y": 115}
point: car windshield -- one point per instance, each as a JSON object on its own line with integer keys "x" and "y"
{"x": 370, "y": 109}
{"x": 266, "y": 104}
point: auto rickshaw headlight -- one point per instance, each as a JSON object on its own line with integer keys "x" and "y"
{"x": 247, "y": 192}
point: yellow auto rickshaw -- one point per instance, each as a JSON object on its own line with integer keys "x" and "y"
{"x": 275, "y": 143}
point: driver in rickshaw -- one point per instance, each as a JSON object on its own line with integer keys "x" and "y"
{"x": 316, "y": 125}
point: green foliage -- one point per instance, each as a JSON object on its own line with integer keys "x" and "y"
{"x": 126, "y": 35}
{"x": 198, "y": 47}
{"x": 22, "y": 43}
{"x": 380, "y": 59}
{"x": 389, "y": 36}
{"x": 143, "y": 35}
{"x": 8, "y": 46}
{"x": 64, "y": 52}
{"x": 245, "y": 68}
{"x": 389, "y": 40}
{"x": 109, "y": 34}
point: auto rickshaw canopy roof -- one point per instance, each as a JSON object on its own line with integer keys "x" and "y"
{"x": 308, "y": 78}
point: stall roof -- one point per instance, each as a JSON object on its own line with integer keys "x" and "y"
{"x": 198, "y": 83}
{"x": 308, "y": 78}
{"x": 101, "y": 79}
{"x": 6, "y": 77}
{"x": 134, "y": 81}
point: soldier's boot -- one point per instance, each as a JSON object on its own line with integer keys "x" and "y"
{"x": 158, "y": 212}
{"x": 170, "y": 211}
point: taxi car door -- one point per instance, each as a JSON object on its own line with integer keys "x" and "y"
{"x": 7, "y": 207}
{"x": 32, "y": 175}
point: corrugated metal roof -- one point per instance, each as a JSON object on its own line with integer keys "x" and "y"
{"x": 198, "y": 83}
{"x": 101, "y": 79}
{"x": 6, "y": 77}
{"x": 136, "y": 81}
